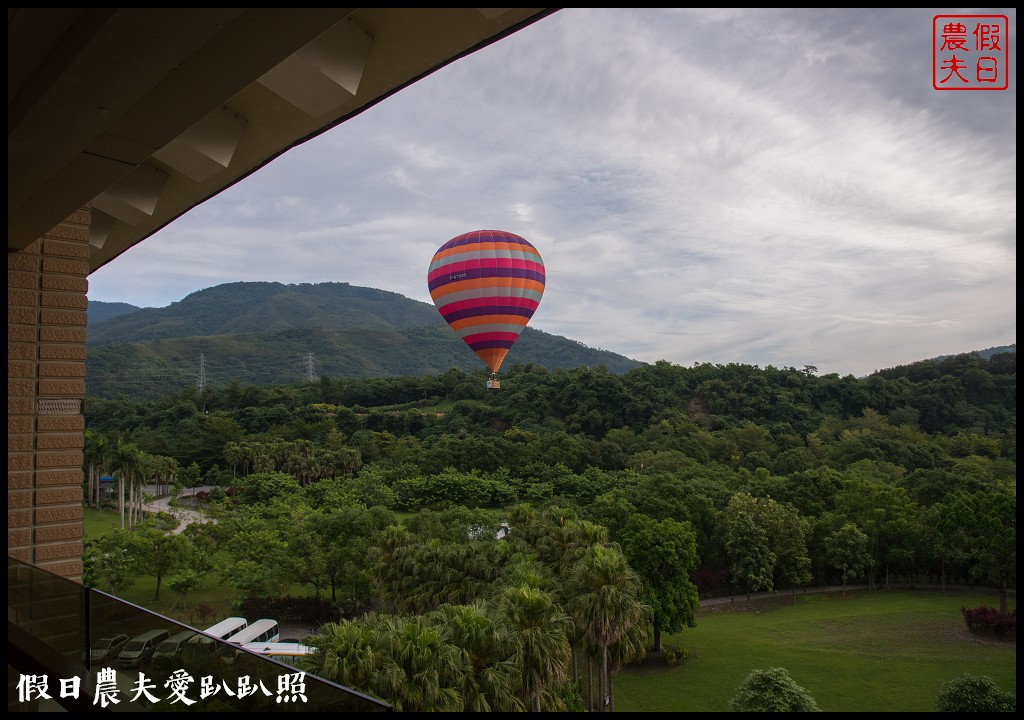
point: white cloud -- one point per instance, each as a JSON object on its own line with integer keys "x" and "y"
{"x": 732, "y": 185}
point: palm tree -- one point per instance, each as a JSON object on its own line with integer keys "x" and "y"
{"x": 96, "y": 451}
{"x": 491, "y": 678}
{"x": 607, "y": 601}
{"x": 167, "y": 470}
{"x": 148, "y": 468}
{"x": 425, "y": 668}
{"x": 541, "y": 631}
{"x": 233, "y": 454}
{"x": 347, "y": 653}
{"x": 631, "y": 646}
{"x": 126, "y": 461}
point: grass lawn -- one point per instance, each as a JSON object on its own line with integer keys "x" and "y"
{"x": 882, "y": 651}
{"x": 97, "y": 523}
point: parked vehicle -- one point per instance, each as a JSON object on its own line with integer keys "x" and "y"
{"x": 261, "y": 631}
{"x": 139, "y": 650}
{"x": 222, "y": 630}
{"x": 174, "y": 644}
{"x": 106, "y": 648}
{"x": 289, "y": 653}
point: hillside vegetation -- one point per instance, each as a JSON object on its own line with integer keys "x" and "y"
{"x": 263, "y": 333}
{"x": 430, "y": 517}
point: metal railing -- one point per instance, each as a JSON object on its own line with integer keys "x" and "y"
{"x": 60, "y": 657}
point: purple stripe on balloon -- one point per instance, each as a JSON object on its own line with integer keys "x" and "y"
{"x": 490, "y": 310}
{"x": 478, "y": 273}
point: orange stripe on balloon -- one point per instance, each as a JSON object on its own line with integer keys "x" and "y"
{"x": 489, "y": 320}
{"x": 484, "y": 283}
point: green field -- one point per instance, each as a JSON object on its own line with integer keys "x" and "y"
{"x": 882, "y": 651}
{"x": 97, "y": 523}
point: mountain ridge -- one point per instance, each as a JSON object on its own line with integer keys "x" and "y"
{"x": 272, "y": 333}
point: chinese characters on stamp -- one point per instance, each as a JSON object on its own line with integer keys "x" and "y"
{"x": 970, "y": 52}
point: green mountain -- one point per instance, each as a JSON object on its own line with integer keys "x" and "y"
{"x": 99, "y": 312}
{"x": 985, "y": 354}
{"x": 264, "y": 333}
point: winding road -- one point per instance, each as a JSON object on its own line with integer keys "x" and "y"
{"x": 184, "y": 515}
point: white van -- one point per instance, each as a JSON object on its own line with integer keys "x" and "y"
{"x": 222, "y": 630}
{"x": 174, "y": 644}
{"x": 139, "y": 650}
{"x": 261, "y": 631}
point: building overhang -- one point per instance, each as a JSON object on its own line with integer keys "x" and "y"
{"x": 143, "y": 114}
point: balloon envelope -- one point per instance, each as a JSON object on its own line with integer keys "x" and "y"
{"x": 487, "y": 284}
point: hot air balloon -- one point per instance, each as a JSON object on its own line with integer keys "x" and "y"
{"x": 487, "y": 284}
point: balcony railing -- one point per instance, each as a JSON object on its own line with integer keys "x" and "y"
{"x": 54, "y": 625}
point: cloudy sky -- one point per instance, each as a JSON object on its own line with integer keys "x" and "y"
{"x": 770, "y": 187}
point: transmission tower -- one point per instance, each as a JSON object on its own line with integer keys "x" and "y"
{"x": 310, "y": 372}
{"x": 202, "y": 372}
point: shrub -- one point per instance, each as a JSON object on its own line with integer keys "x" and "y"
{"x": 673, "y": 655}
{"x": 989, "y": 622}
{"x": 205, "y": 612}
{"x": 772, "y": 690}
{"x": 968, "y": 693}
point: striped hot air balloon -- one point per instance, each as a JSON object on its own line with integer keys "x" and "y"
{"x": 487, "y": 284}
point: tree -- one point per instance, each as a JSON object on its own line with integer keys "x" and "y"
{"x": 127, "y": 463}
{"x": 847, "y": 550}
{"x": 951, "y": 520}
{"x": 970, "y": 694}
{"x": 306, "y": 549}
{"x": 540, "y": 630}
{"x": 159, "y": 553}
{"x": 752, "y": 562}
{"x": 110, "y": 560}
{"x": 490, "y": 678}
{"x": 772, "y": 690}
{"x": 261, "y": 487}
{"x": 605, "y": 598}
{"x": 424, "y": 667}
{"x": 785, "y": 532}
{"x": 663, "y": 554}
{"x": 190, "y": 477}
{"x": 347, "y": 653}
{"x": 994, "y": 542}
{"x": 96, "y": 452}
{"x": 867, "y": 501}
{"x": 183, "y": 584}
{"x": 346, "y": 534}
{"x": 258, "y": 554}
{"x": 252, "y": 578}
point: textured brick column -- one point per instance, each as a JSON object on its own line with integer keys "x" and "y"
{"x": 46, "y": 315}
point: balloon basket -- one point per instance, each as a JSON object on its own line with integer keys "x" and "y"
{"x": 493, "y": 383}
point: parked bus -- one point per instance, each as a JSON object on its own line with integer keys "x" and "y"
{"x": 261, "y": 631}
{"x": 287, "y": 652}
{"x": 223, "y": 630}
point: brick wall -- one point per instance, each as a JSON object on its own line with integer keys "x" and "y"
{"x": 46, "y": 315}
